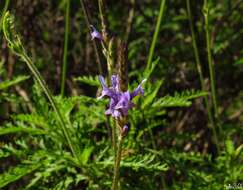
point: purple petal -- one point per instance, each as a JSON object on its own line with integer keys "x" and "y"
{"x": 124, "y": 103}
{"x": 108, "y": 112}
{"x": 124, "y": 110}
{"x": 114, "y": 113}
{"x": 102, "y": 81}
{"x": 111, "y": 110}
{"x": 105, "y": 91}
{"x": 123, "y": 100}
{"x": 113, "y": 103}
{"x": 115, "y": 82}
{"x": 138, "y": 90}
{"x": 95, "y": 34}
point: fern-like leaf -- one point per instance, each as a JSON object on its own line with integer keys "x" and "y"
{"x": 179, "y": 99}
{"x": 145, "y": 162}
{"x": 20, "y": 129}
{"x": 90, "y": 80}
{"x": 15, "y": 173}
{"x": 16, "y": 80}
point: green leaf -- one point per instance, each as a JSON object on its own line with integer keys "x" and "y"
{"x": 15, "y": 173}
{"x": 150, "y": 97}
{"x": 146, "y": 129}
{"x": 191, "y": 94}
{"x": 4, "y": 154}
{"x": 8, "y": 83}
{"x": 179, "y": 99}
{"x": 148, "y": 71}
{"x": 238, "y": 151}
{"x": 239, "y": 62}
{"x": 90, "y": 80}
{"x": 229, "y": 145}
{"x": 86, "y": 154}
{"x": 9, "y": 130}
{"x": 146, "y": 162}
{"x": 169, "y": 101}
{"x": 32, "y": 119}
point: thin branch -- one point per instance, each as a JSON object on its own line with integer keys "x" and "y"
{"x": 156, "y": 33}
{"x": 88, "y": 23}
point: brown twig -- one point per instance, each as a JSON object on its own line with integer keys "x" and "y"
{"x": 130, "y": 20}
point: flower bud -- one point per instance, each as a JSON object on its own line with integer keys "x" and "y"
{"x": 125, "y": 130}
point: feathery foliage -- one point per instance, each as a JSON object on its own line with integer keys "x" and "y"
{"x": 52, "y": 141}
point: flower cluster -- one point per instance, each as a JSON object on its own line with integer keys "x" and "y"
{"x": 120, "y": 102}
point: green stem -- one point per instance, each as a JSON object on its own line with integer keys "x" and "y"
{"x": 117, "y": 163}
{"x": 210, "y": 63}
{"x": 114, "y": 137}
{"x": 16, "y": 46}
{"x": 156, "y": 33}
{"x": 103, "y": 21}
{"x": 199, "y": 70}
{"x": 151, "y": 50}
{"x": 152, "y": 138}
{"x": 194, "y": 44}
{"x": 46, "y": 90}
{"x": 65, "y": 52}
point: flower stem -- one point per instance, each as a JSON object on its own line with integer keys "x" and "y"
{"x": 43, "y": 85}
{"x": 87, "y": 21}
{"x": 152, "y": 47}
{"x": 103, "y": 20}
{"x": 117, "y": 163}
{"x": 199, "y": 70}
{"x": 210, "y": 63}
{"x": 156, "y": 33}
{"x": 17, "y": 48}
{"x": 66, "y": 39}
{"x": 114, "y": 137}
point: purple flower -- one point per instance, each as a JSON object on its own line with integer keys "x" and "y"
{"x": 124, "y": 103}
{"x": 95, "y": 33}
{"x": 138, "y": 90}
{"x": 120, "y": 102}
